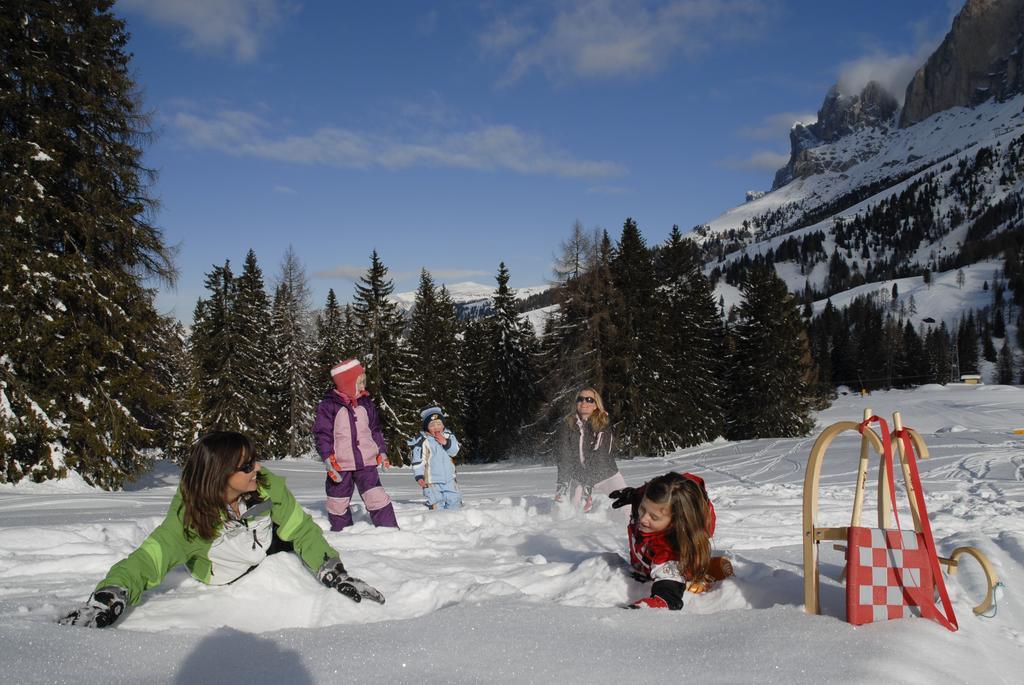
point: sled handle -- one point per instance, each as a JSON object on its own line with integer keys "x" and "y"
{"x": 884, "y": 500}
{"x": 953, "y": 562}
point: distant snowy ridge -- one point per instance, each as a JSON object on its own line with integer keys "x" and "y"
{"x": 471, "y": 299}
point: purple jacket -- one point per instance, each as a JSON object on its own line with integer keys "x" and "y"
{"x": 350, "y": 432}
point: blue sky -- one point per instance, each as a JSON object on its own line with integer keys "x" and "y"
{"x": 456, "y": 135}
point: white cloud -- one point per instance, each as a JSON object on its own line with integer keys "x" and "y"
{"x": 610, "y": 38}
{"x": 764, "y": 160}
{"x": 485, "y": 148}
{"x": 285, "y": 190}
{"x": 892, "y": 72}
{"x": 776, "y": 126}
{"x": 235, "y": 26}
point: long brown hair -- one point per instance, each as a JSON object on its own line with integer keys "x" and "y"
{"x": 214, "y": 458}
{"x": 599, "y": 419}
{"x": 689, "y": 527}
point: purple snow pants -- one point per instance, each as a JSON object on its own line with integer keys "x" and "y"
{"x": 377, "y": 502}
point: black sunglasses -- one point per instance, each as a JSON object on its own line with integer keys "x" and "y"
{"x": 248, "y": 466}
{"x": 584, "y": 398}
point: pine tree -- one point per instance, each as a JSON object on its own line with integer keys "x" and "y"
{"x": 999, "y": 323}
{"x": 937, "y": 348}
{"x": 911, "y": 363}
{"x": 1004, "y": 367}
{"x": 693, "y": 336}
{"x": 333, "y": 342}
{"x": 255, "y": 362}
{"x": 214, "y": 349}
{"x": 178, "y": 425}
{"x": 434, "y": 350}
{"x": 769, "y": 372}
{"x": 638, "y": 386}
{"x": 293, "y": 396}
{"x": 988, "y": 347}
{"x": 822, "y": 332}
{"x": 76, "y": 243}
{"x": 967, "y": 345}
{"x": 509, "y": 383}
{"x": 603, "y": 299}
{"x": 471, "y": 405}
{"x": 378, "y": 327}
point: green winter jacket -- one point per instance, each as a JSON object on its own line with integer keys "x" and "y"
{"x": 228, "y": 556}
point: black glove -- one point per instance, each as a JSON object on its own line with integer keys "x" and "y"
{"x": 333, "y": 575}
{"x": 623, "y": 497}
{"x": 104, "y": 608}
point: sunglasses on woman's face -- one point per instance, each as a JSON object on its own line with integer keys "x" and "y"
{"x": 248, "y": 466}
{"x": 584, "y": 398}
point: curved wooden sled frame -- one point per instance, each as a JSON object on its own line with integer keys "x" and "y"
{"x": 813, "y": 535}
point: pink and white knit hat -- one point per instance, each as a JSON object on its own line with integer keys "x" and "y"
{"x": 345, "y": 374}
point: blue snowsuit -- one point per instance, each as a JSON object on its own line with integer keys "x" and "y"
{"x": 432, "y": 461}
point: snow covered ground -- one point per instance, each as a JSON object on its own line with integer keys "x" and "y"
{"x": 514, "y": 588}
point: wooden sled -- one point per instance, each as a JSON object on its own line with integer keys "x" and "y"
{"x": 814, "y": 534}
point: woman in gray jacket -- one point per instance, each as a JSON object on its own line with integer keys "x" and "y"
{"x": 586, "y": 452}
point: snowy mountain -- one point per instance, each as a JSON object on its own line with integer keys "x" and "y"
{"x": 880, "y": 194}
{"x": 471, "y": 299}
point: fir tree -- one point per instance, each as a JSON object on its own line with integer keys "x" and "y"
{"x": 602, "y": 300}
{"x": 937, "y": 349}
{"x": 693, "y": 336}
{"x": 293, "y": 395}
{"x": 638, "y": 387}
{"x": 214, "y": 348}
{"x": 508, "y": 396}
{"x": 378, "y": 327}
{"x": 255, "y": 354}
{"x": 988, "y": 347}
{"x": 76, "y": 242}
{"x": 999, "y": 323}
{"x": 333, "y": 342}
{"x": 1004, "y": 367}
{"x": 770, "y": 369}
{"x": 472, "y": 400}
{"x": 178, "y": 425}
{"x": 822, "y": 331}
{"x": 434, "y": 350}
{"x": 911, "y": 363}
{"x": 967, "y": 345}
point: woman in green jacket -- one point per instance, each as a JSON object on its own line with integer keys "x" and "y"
{"x": 229, "y": 513}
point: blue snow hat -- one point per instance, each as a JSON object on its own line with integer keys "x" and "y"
{"x": 431, "y": 413}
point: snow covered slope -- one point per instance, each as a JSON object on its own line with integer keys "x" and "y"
{"x": 516, "y": 589}
{"x": 471, "y": 299}
{"x": 873, "y": 156}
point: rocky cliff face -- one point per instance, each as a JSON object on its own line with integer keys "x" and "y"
{"x": 980, "y": 58}
{"x": 839, "y": 116}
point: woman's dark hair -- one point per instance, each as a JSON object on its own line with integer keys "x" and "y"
{"x": 689, "y": 527}
{"x": 215, "y": 457}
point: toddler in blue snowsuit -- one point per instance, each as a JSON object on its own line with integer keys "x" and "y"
{"x": 432, "y": 465}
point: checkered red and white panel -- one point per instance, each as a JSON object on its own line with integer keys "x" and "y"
{"x": 888, "y": 576}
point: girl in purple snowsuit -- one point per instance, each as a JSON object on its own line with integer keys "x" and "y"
{"x": 349, "y": 440}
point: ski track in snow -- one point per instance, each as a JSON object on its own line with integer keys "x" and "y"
{"x": 506, "y": 580}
